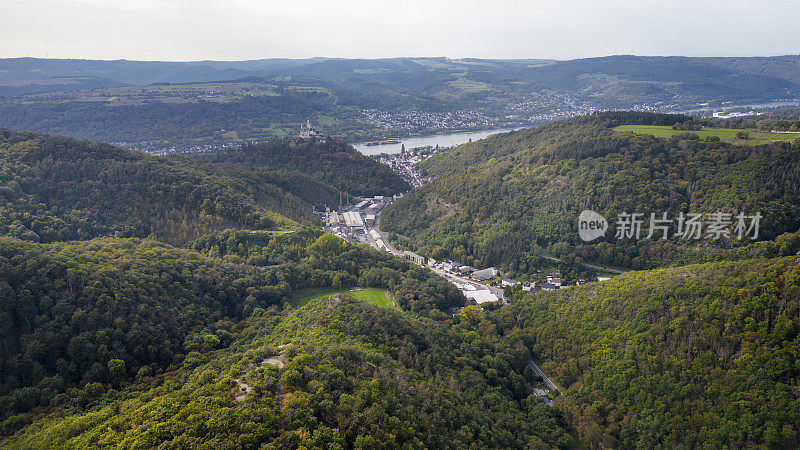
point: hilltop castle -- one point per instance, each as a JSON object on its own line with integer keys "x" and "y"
{"x": 307, "y": 131}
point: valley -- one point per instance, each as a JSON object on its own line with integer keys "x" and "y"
{"x": 289, "y": 291}
{"x": 367, "y": 224}
{"x": 359, "y": 224}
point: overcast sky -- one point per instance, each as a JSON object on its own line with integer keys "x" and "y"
{"x": 254, "y": 29}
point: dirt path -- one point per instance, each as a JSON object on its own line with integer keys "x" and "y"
{"x": 590, "y": 266}
{"x": 245, "y": 388}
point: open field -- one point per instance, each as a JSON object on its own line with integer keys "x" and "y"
{"x": 377, "y": 297}
{"x": 725, "y": 134}
{"x": 165, "y": 93}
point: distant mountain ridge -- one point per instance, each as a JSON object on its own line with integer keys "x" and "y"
{"x": 628, "y": 78}
{"x": 139, "y": 72}
{"x": 186, "y": 106}
{"x": 553, "y": 74}
{"x": 734, "y": 78}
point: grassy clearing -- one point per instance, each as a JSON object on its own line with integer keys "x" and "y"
{"x": 377, "y": 297}
{"x": 725, "y": 134}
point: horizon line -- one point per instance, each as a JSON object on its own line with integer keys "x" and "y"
{"x": 341, "y": 58}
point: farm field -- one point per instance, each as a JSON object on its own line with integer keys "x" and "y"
{"x": 377, "y": 297}
{"x": 725, "y": 134}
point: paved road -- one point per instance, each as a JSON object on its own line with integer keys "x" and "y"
{"x": 591, "y": 266}
{"x": 383, "y": 234}
{"x": 541, "y": 373}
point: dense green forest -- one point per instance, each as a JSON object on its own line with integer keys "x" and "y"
{"x": 694, "y": 356}
{"x": 309, "y": 258}
{"x": 72, "y": 311}
{"x": 332, "y": 161}
{"x": 563, "y": 134}
{"x": 355, "y": 376}
{"x": 507, "y": 199}
{"x": 54, "y": 188}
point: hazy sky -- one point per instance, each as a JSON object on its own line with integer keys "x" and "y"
{"x": 253, "y": 29}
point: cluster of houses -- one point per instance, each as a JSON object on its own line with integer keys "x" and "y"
{"x": 430, "y": 122}
{"x": 355, "y": 223}
{"x": 473, "y": 291}
{"x": 551, "y": 283}
{"x": 404, "y": 163}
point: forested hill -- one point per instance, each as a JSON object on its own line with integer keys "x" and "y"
{"x": 113, "y": 311}
{"x": 355, "y": 376}
{"x": 556, "y": 138}
{"x": 54, "y": 188}
{"x": 507, "y": 210}
{"x": 696, "y": 356}
{"x": 333, "y": 162}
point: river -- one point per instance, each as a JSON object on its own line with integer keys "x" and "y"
{"x": 442, "y": 140}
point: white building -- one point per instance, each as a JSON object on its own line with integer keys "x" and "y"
{"x": 353, "y": 219}
{"x": 554, "y": 280}
{"x": 505, "y": 282}
{"x": 482, "y": 296}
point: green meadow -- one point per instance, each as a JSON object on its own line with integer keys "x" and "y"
{"x": 725, "y": 134}
{"x": 377, "y": 297}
